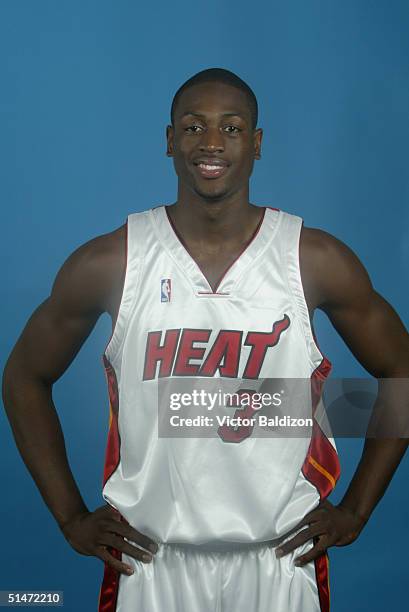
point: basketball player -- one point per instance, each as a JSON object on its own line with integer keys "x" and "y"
{"x": 210, "y": 286}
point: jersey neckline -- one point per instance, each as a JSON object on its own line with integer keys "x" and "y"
{"x": 179, "y": 252}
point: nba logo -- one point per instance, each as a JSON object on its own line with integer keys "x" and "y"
{"x": 165, "y": 290}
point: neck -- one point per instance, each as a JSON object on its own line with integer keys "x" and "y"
{"x": 231, "y": 219}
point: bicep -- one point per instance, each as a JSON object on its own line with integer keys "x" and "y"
{"x": 50, "y": 341}
{"x": 374, "y": 333}
{"x": 367, "y": 323}
{"x": 60, "y": 325}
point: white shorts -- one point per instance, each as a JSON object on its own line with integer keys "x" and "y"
{"x": 223, "y": 578}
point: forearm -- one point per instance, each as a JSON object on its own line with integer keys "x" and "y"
{"x": 380, "y": 459}
{"x": 39, "y": 438}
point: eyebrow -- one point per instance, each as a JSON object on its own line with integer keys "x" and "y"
{"x": 204, "y": 116}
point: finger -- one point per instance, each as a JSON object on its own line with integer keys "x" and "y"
{"x": 114, "y": 541}
{"x": 111, "y": 511}
{"x": 316, "y": 551}
{"x": 117, "y": 565}
{"x": 313, "y": 516}
{"x": 135, "y": 536}
{"x": 123, "y": 528}
{"x": 317, "y": 513}
{"x": 300, "y": 539}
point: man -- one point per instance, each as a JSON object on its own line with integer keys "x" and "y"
{"x": 211, "y": 286}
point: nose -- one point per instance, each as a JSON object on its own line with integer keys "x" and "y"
{"x": 212, "y": 140}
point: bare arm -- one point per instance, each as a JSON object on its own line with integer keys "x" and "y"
{"x": 89, "y": 283}
{"x": 336, "y": 282}
{"x": 52, "y": 337}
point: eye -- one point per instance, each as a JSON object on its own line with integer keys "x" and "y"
{"x": 195, "y": 129}
{"x": 232, "y": 129}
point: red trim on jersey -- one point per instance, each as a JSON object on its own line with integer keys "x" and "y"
{"x": 234, "y": 260}
{"x": 322, "y": 578}
{"x": 112, "y": 453}
{"x": 242, "y": 251}
{"x": 108, "y": 594}
{"x": 321, "y": 467}
{"x": 213, "y": 293}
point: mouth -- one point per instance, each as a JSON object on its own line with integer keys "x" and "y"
{"x": 212, "y": 168}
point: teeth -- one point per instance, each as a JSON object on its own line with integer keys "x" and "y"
{"x": 207, "y": 167}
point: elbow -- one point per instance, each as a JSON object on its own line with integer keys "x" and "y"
{"x": 19, "y": 384}
{"x": 7, "y": 383}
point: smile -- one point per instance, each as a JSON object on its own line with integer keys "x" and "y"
{"x": 211, "y": 170}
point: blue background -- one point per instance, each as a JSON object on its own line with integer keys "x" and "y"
{"x": 85, "y": 94}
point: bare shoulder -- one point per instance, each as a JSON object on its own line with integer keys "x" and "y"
{"x": 88, "y": 284}
{"x": 93, "y": 274}
{"x": 316, "y": 246}
{"x": 330, "y": 270}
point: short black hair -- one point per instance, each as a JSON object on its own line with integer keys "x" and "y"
{"x": 218, "y": 75}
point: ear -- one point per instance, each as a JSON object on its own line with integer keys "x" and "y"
{"x": 258, "y": 136}
{"x": 169, "y": 139}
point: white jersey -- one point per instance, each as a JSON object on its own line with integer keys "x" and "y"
{"x": 254, "y": 325}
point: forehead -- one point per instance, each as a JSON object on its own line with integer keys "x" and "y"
{"x": 213, "y": 98}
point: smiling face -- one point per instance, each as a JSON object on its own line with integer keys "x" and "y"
{"x": 212, "y": 141}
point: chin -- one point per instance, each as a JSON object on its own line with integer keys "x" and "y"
{"x": 212, "y": 196}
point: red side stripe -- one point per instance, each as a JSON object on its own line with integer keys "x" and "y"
{"x": 108, "y": 595}
{"x": 321, "y": 467}
{"x": 112, "y": 453}
{"x": 321, "y": 574}
{"x": 110, "y": 584}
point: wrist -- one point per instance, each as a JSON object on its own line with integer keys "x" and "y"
{"x": 361, "y": 517}
{"x": 67, "y": 520}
